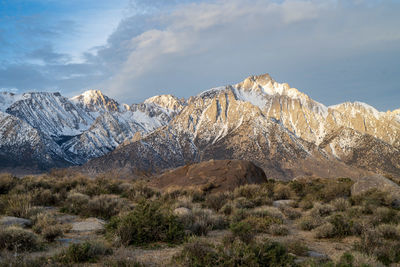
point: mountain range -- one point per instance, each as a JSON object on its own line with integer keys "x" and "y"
{"x": 282, "y": 130}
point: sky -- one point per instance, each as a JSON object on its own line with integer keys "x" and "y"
{"x": 332, "y": 50}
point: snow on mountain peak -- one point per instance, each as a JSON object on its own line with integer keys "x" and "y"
{"x": 357, "y": 107}
{"x": 7, "y": 99}
{"x": 266, "y": 85}
{"x": 168, "y": 102}
{"x": 95, "y": 100}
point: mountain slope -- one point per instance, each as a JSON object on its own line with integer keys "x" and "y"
{"x": 219, "y": 125}
{"x": 23, "y": 146}
{"x": 113, "y": 128}
{"x": 51, "y": 113}
{"x": 284, "y": 131}
{"x": 91, "y": 124}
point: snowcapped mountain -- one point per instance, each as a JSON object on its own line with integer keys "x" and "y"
{"x": 113, "y": 128}
{"x": 21, "y": 145}
{"x": 283, "y": 130}
{"x": 95, "y": 101}
{"x": 51, "y": 113}
{"x": 77, "y": 129}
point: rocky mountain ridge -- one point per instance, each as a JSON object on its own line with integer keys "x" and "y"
{"x": 61, "y": 132}
{"x": 284, "y": 131}
{"x": 279, "y": 128}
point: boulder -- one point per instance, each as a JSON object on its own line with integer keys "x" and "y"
{"x": 317, "y": 255}
{"x": 213, "y": 176}
{"x": 283, "y": 202}
{"x": 88, "y": 225}
{"x": 9, "y": 220}
{"x": 379, "y": 182}
{"x": 182, "y": 211}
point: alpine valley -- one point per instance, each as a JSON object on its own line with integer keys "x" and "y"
{"x": 277, "y": 127}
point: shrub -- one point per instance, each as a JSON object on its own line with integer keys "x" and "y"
{"x": 308, "y": 223}
{"x": 388, "y": 253}
{"x": 282, "y": 191}
{"x": 139, "y": 191}
{"x": 147, "y": 223}
{"x": 273, "y": 254}
{"x": 227, "y": 208}
{"x": 104, "y": 206}
{"x": 264, "y": 211}
{"x": 243, "y": 203}
{"x": 297, "y": 247}
{"x": 337, "y": 226}
{"x": 327, "y": 230}
{"x": 373, "y": 244}
{"x": 306, "y": 204}
{"x": 321, "y": 210}
{"x": 290, "y": 213}
{"x": 121, "y": 263}
{"x": 184, "y": 201}
{"x": 384, "y": 215}
{"x": 239, "y": 214}
{"x": 363, "y": 260}
{"x": 278, "y": 229}
{"x": 340, "y": 204}
{"x": 242, "y": 230}
{"x": 18, "y": 239}
{"x": 20, "y": 206}
{"x": 341, "y": 225}
{"x": 201, "y": 221}
{"x": 198, "y": 253}
{"x": 7, "y": 182}
{"x": 236, "y": 253}
{"x": 388, "y": 231}
{"x": 44, "y": 197}
{"x": 102, "y": 185}
{"x": 9, "y": 259}
{"x": 83, "y": 252}
{"x": 261, "y": 224}
{"x": 370, "y": 240}
{"x": 76, "y": 203}
{"x": 48, "y": 227}
{"x": 373, "y": 197}
{"x": 216, "y": 201}
{"x": 249, "y": 191}
{"x": 340, "y": 188}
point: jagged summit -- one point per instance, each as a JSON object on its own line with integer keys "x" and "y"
{"x": 169, "y": 102}
{"x": 358, "y": 107}
{"x": 267, "y": 85}
{"x": 94, "y": 100}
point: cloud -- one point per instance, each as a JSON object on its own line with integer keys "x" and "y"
{"x": 205, "y": 44}
{"x": 333, "y": 50}
{"x": 47, "y": 55}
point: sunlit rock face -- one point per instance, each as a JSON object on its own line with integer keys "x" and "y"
{"x": 281, "y": 129}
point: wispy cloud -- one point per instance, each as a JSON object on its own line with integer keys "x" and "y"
{"x": 334, "y": 50}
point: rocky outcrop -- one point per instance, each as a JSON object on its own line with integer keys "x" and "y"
{"x": 377, "y": 182}
{"x": 88, "y": 225}
{"x": 215, "y": 175}
{"x": 374, "y": 182}
{"x": 6, "y": 221}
